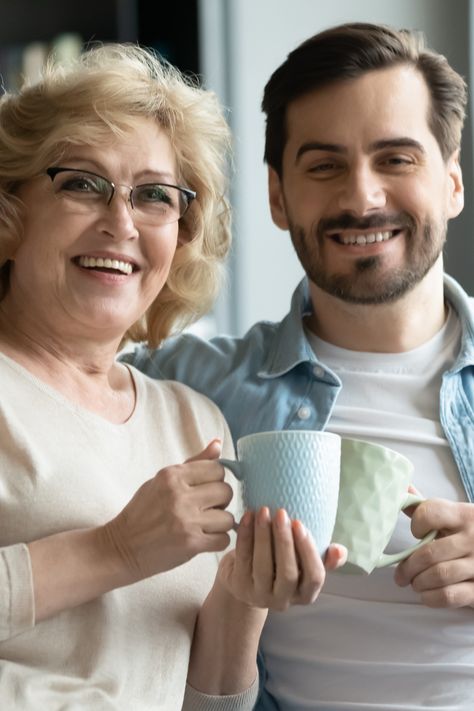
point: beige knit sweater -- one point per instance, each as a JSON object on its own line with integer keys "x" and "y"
{"x": 62, "y": 467}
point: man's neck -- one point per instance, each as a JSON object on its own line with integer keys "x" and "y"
{"x": 383, "y": 328}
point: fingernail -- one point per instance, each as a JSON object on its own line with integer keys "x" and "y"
{"x": 299, "y": 529}
{"x": 263, "y": 516}
{"x": 343, "y": 552}
{"x": 281, "y": 519}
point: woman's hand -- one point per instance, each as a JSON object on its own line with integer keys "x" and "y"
{"x": 170, "y": 519}
{"x": 173, "y": 517}
{"x": 275, "y": 564}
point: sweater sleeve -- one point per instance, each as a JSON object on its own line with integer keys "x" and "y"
{"x": 196, "y": 701}
{"x": 17, "y": 610}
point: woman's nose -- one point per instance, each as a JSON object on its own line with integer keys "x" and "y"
{"x": 118, "y": 218}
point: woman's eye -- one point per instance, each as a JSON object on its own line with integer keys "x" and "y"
{"x": 152, "y": 194}
{"x": 80, "y": 184}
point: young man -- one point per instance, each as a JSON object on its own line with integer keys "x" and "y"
{"x": 362, "y": 144}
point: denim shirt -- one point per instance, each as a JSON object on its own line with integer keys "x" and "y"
{"x": 271, "y": 379}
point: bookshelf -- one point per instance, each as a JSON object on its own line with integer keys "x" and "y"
{"x": 31, "y": 29}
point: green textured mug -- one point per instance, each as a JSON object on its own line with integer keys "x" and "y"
{"x": 373, "y": 491}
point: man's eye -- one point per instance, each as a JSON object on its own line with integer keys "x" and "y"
{"x": 324, "y": 168}
{"x": 397, "y": 161}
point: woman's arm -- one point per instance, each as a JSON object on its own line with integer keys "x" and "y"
{"x": 170, "y": 519}
{"x": 275, "y": 564}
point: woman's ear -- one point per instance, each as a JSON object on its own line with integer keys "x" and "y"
{"x": 277, "y": 202}
{"x": 184, "y": 234}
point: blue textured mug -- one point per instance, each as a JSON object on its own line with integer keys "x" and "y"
{"x": 294, "y": 470}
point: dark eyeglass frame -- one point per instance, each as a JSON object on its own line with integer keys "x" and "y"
{"x": 189, "y": 195}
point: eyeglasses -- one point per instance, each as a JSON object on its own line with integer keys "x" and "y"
{"x": 153, "y": 203}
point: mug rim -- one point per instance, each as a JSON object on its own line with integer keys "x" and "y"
{"x": 304, "y": 433}
{"x": 381, "y": 447}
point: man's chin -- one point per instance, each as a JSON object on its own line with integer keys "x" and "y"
{"x": 370, "y": 292}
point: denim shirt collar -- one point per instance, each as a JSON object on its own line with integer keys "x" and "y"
{"x": 290, "y": 347}
{"x": 464, "y": 307}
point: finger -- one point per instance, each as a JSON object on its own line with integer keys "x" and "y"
{"x": 453, "y": 596}
{"x": 263, "y": 557}
{"x": 433, "y": 553}
{"x": 214, "y": 542}
{"x": 244, "y": 552}
{"x": 212, "y": 495}
{"x": 216, "y": 521}
{"x": 200, "y": 472}
{"x": 211, "y": 451}
{"x": 444, "y": 575}
{"x": 335, "y": 557}
{"x": 312, "y": 573}
{"x": 441, "y": 514}
{"x": 286, "y": 564}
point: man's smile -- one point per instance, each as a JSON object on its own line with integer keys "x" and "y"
{"x": 363, "y": 239}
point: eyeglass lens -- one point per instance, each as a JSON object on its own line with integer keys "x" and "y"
{"x": 155, "y": 203}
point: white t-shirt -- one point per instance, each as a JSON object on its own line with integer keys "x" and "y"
{"x": 367, "y": 644}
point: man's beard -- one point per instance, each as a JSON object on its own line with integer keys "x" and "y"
{"x": 368, "y": 282}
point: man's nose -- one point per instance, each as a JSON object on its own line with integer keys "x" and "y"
{"x": 362, "y": 191}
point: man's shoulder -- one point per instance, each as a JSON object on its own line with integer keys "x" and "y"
{"x": 184, "y": 357}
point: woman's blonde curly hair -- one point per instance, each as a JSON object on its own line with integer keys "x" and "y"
{"x": 95, "y": 98}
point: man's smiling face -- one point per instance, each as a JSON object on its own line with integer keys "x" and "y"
{"x": 365, "y": 191}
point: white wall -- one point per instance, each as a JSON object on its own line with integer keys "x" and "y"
{"x": 243, "y": 43}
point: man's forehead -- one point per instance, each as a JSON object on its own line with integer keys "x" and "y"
{"x": 385, "y": 104}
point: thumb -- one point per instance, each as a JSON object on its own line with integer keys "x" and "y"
{"x": 336, "y": 556}
{"x": 211, "y": 451}
{"x": 410, "y": 510}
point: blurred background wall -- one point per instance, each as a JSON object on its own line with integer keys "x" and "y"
{"x": 234, "y": 45}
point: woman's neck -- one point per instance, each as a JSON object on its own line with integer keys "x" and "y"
{"x": 81, "y": 369}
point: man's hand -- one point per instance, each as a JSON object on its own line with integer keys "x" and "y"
{"x": 442, "y": 571}
{"x": 275, "y": 563}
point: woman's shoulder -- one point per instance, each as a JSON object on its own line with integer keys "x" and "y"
{"x": 175, "y": 396}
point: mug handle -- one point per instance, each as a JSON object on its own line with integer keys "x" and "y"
{"x": 391, "y": 558}
{"x": 233, "y": 465}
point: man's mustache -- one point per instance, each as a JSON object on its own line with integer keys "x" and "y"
{"x": 377, "y": 221}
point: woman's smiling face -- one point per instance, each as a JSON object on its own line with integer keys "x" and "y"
{"x": 56, "y": 272}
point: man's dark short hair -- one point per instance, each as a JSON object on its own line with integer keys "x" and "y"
{"x": 349, "y": 51}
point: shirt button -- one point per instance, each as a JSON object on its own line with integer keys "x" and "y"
{"x": 304, "y": 413}
{"x": 318, "y": 371}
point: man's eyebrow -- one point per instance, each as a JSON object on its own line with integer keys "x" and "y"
{"x": 319, "y": 146}
{"x": 401, "y": 142}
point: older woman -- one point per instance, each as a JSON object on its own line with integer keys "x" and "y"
{"x": 112, "y": 226}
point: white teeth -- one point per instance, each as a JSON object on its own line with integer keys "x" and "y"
{"x": 366, "y": 239}
{"x": 119, "y": 265}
